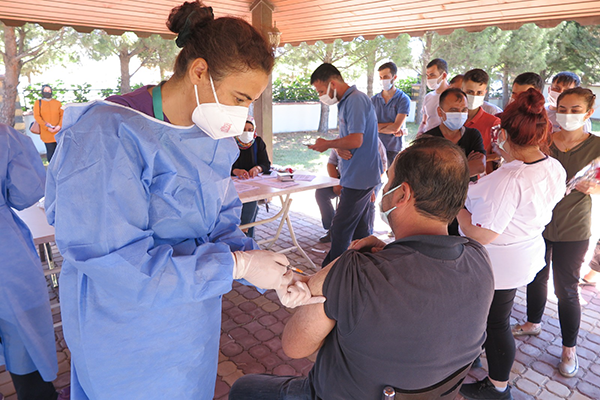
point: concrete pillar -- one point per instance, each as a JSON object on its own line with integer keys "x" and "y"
{"x": 262, "y": 20}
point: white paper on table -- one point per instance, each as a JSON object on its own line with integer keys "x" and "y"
{"x": 243, "y": 187}
{"x": 305, "y": 178}
{"x": 278, "y": 184}
{"x": 258, "y": 177}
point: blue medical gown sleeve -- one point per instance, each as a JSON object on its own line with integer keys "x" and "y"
{"x": 26, "y": 175}
{"x": 118, "y": 203}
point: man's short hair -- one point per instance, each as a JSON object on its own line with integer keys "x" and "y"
{"x": 478, "y": 76}
{"x": 440, "y": 63}
{"x": 324, "y": 73}
{"x": 459, "y": 77}
{"x": 437, "y": 172}
{"x": 392, "y": 67}
{"x": 530, "y": 78}
{"x": 567, "y": 78}
{"x": 451, "y": 91}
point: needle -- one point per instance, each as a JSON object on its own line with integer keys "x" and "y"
{"x": 297, "y": 270}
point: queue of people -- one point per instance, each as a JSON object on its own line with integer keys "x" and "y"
{"x": 146, "y": 217}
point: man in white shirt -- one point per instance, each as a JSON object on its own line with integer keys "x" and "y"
{"x": 437, "y": 81}
{"x": 561, "y": 82}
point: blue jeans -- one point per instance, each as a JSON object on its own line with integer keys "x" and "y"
{"x": 249, "y": 212}
{"x": 271, "y": 387}
{"x": 351, "y": 221}
{"x": 324, "y": 197}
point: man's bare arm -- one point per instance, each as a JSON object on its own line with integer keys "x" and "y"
{"x": 309, "y": 325}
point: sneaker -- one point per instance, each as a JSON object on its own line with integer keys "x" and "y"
{"x": 326, "y": 238}
{"x": 484, "y": 390}
{"x": 517, "y": 330}
{"x": 569, "y": 368}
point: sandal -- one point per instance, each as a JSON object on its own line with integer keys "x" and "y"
{"x": 518, "y": 330}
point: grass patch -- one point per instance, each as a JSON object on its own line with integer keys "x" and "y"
{"x": 289, "y": 149}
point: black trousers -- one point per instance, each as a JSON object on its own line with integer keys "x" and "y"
{"x": 33, "y": 387}
{"x": 351, "y": 221}
{"x": 50, "y": 148}
{"x": 566, "y": 259}
{"x": 500, "y": 343}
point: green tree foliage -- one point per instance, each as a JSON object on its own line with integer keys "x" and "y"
{"x": 467, "y": 50}
{"x": 575, "y": 48}
{"x": 160, "y": 53}
{"x": 524, "y": 50}
{"x": 99, "y": 45}
{"x": 370, "y": 53}
{"x": 30, "y": 49}
{"x": 290, "y": 89}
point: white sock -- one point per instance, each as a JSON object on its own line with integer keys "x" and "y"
{"x": 501, "y": 390}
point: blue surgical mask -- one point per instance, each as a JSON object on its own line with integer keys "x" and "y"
{"x": 384, "y": 214}
{"x": 455, "y": 120}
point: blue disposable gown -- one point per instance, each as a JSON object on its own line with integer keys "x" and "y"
{"x": 26, "y": 329}
{"x": 146, "y": 218}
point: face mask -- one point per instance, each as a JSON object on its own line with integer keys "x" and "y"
{"x": 218, "y": 120}
{"x": 455, "y": 120}
{"x": 47, "y": 95}
{"x": 553, "y": 97}
{"x": 384, "y": 214}
{"x": 474, "y": 102}
{"x": 433, "y": 84}
{"x": 247, "y": 136}
{"x": 570, "y": 122}
{"x": 386, "y": 84}
{"x": 328, "y": 101}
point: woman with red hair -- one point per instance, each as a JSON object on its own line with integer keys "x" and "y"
{"x": 507, "y": 211}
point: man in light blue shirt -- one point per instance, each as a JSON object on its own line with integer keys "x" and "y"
{"x": 360, "y": 174}
{"x": 392, "y": 106}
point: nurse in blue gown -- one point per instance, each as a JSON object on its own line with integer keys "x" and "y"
{"x": 27, "y": 345}
{"x": 147, "y": 217}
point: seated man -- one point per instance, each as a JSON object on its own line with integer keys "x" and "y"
{"x": 409, "y": 314}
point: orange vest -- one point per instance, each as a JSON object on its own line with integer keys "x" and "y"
{"x": 51, "y": 112}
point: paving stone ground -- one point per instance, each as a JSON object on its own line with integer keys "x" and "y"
{"x": 252, "y": 324}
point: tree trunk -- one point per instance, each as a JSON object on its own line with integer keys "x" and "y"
{"x": 124, "y": 59}
{"x": 505, "y": 77}
{"x": 425, "y": 56}
{"x": 12, "y": 66}
{"x": 370, "y": 73}
{"x": 324, "y": 120}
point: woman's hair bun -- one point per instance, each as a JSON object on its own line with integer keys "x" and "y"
{"x": 530, "y": 102}
{"x": 189, "y": 16}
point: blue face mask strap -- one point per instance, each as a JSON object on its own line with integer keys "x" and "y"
{"x": 157, "y": 102}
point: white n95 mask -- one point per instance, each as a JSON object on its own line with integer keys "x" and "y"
{"x": 219, "y": 120}
{"x": 474, "y": 102}
{"x": 328, "y": 101}
{"x": 570, "y": 122}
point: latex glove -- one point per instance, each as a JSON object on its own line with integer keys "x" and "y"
{"x": 298, "y": 294}
{"x": 264, "y": 269}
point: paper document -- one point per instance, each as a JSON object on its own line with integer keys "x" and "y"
{"x": 243, "y": 187}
